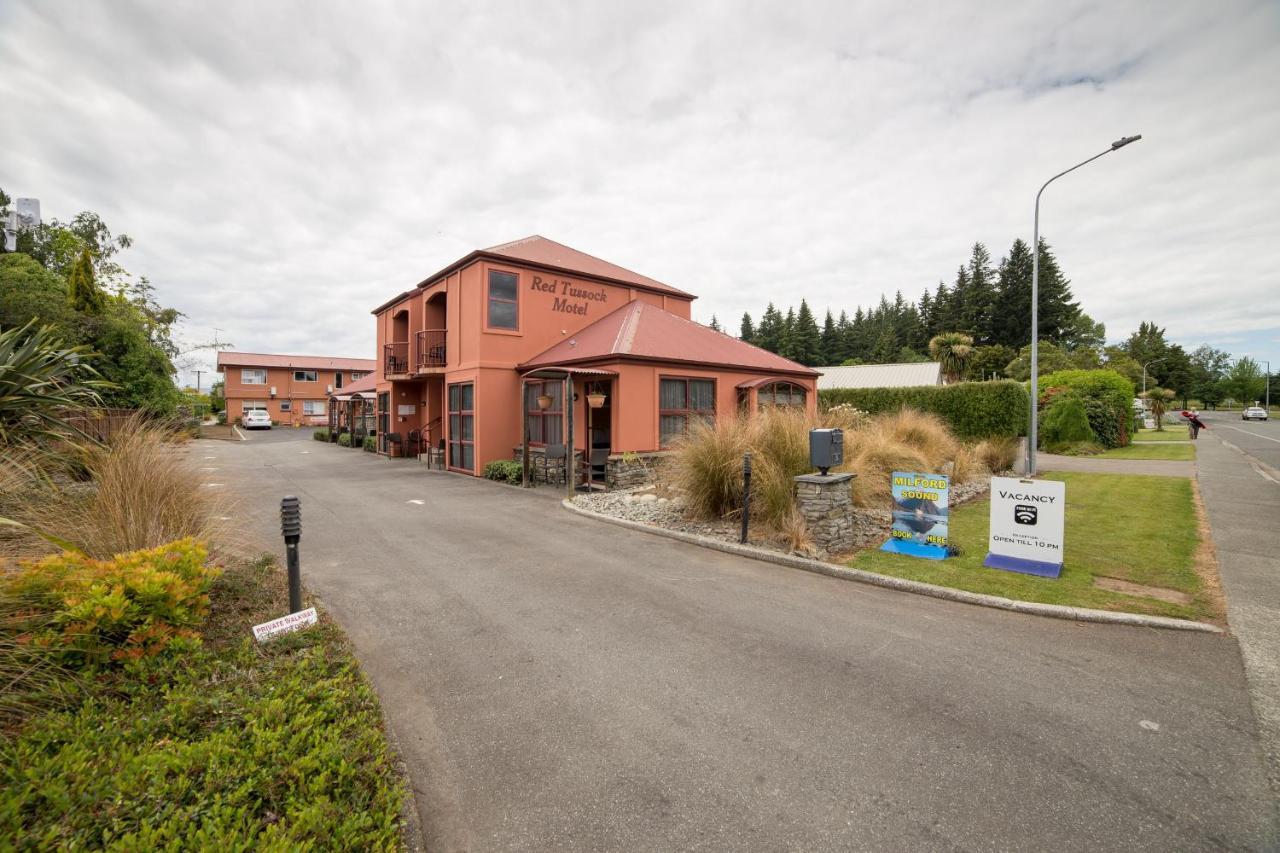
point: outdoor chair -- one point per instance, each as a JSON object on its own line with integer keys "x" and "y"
{"x": 435, "y": 456}
{"x": 413, "y": 446}
{"x": 394, "y": 445}
{"x": 596, "y": 459}
{"x": 551, "y": 453}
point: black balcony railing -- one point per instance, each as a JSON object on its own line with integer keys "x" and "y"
{"x": 396, "y": 358}
{"x": 431, "y": 350}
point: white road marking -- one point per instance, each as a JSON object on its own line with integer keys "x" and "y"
{"x": 1149, "y": 725}
{"x": 213, "y": 484}
{"x": 1254, "y": 434}
{"x": 208, "y": 469}
{"x": 415, "y": 501}
{"x": 211, "y": 457}
{"x": 304, "y": 451}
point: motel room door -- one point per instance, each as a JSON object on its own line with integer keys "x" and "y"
{"x": 384, "y": 420}
{"x": 599, "y": 429}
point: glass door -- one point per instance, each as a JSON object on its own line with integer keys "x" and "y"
{"x": 384, "y": 419}
{"x": 462, "y": 451}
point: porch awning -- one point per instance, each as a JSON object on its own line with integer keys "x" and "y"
{"x": 557, "y": 372}
{"x": 767, "y": 380}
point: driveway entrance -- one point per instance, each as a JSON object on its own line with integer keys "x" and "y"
{"x": 561, "y": 684}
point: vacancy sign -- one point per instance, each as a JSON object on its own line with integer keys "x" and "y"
{"x": 285, "y": 624}
{"x": 1027, "y": 522}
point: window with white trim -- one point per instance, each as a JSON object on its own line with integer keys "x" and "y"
{"x": 358, "y": 374}
{"x": 286, "y": 405}
{"x": 253, "y": 376}
{"x": 304, "y": 376}
{"x": 254, "y": 406}
{"x": 314, "y": 407}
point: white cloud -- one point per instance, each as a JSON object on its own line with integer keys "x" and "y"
{"x": 286, "y": 167}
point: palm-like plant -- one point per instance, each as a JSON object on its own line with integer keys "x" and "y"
{"x": 1158, "y": 402}
{"x": 953, "y": 351}
{"x": 41, "y": 381}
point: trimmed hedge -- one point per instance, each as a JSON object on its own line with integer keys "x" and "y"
{"x": 505, "y": 471}
{"x": 973, "y": 410}
{"x": 1107, "y": 398}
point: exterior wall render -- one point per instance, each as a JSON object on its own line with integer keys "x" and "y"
{"x": 287, "y": 390}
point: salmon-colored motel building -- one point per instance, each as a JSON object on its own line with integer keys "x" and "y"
{"x": 293, "y": 389}
{"x": 535, "y": 339}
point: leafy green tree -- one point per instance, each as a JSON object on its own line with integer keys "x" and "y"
{"x": 29, "y": 291}
{"x": 1244, "y": 382}
{"x": 1158, "y": 400}
{"x": 1117, "y": 358}
{"x": 1050, "y": 359}
{"x": 907, "y": 355}
{"x": 1084, "y": 333}
{"x": 989, "y": 362}
{"x": 82, "y": 291}
{"x": 952, "y": 350}
{"x": 217, "y": 397}
{"x": 747, "y": 331}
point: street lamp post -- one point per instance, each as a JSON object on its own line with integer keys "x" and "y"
{"x": 1035, "y": 303}
{"x": 1267, "y": 391}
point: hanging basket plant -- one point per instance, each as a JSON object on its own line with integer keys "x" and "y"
{"x": 544, "y": 401}
{"x": 595, "y": 399}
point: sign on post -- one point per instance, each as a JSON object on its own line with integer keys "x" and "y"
{"x": 285, "y": 624}
{"x": 1028, "y": 518}
{"x": 919, "y": 515}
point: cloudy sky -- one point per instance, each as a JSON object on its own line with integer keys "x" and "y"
{"x": 284, "y": 168}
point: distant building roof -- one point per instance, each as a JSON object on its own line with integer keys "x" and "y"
{"x": 365, "y": 384}
{"x": 305, "y": 362}
{"x": 540, "y": 251}
{"x": 642, "y": 331}
{"x": 881, "y": 375}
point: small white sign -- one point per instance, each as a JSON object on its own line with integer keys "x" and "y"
{"x": 406, "y": 409}
{"x": 1028, "y": 519}
{"x": 285, "y": 624}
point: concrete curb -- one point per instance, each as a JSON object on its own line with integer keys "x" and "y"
{"x": 1055, "y": 611}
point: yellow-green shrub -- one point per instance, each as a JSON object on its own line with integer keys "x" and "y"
{"x": 98, "y": 612}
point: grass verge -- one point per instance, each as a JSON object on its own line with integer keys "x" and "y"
{"x": 1151, "y": 450}
{"x": 1172, "y": 433}
{"x": 231, "y": 746}
{"x": 1139, "y": 529}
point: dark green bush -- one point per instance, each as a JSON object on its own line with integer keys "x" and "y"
{"x": 320, "y": 435}
{"x": 344, "y": 439}
{"x": 1109, "y": 417}
{"x": 1065, "y": 424}
{"x": 370, "y": 444}
{"x": 973, "y": 410}
{"x": 504, "y": 471}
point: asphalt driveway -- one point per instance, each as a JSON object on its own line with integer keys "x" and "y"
{"x": 561, "y": 684}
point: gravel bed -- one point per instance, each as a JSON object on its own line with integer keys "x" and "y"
{"x": 644, "y": 505}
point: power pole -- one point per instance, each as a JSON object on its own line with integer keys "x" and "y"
{"x": 198, "y": 374}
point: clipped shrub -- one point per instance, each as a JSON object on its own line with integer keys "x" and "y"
{"x": 1064, "y": 425}
{"x": 93, "y": 613}
{"x": 370, "y": 444}
{"x": 997, "y": 454}
{"x": 972, "y": 410}
{"x": 1113, "y": 392}
{"x": 504, "y": 471}
{"x": 320, "y": 435}
{"x": 344, "y": 439}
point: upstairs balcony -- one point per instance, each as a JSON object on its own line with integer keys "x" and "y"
{"x": 424, "y": 355}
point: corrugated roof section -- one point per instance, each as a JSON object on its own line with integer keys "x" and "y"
{"x": 641, "y": 330}
{"x": 309, "y": 362}
{"x": 539, "y": 250}
{"x": 881, "y": 375}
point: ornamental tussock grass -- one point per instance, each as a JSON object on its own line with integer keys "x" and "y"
{"x": 137, "y": 492}
{"x": 997, "y": 454}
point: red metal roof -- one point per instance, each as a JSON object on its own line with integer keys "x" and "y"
{"x": 308, "y": 362}
{"x": 639, "y": 330}
{"x": 366, "y": 384}
{"x": 540, "y": 251}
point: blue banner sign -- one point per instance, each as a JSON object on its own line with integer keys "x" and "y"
{"x": 919, "y": 515}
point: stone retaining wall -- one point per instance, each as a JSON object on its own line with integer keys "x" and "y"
{"x": 827, "y": 506}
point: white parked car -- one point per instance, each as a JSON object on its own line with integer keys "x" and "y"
{"x": 1254, "y": 412}
{"x": 255, "y": 419}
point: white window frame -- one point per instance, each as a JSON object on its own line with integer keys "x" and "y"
{"x": 253, "y": 376}
{"x": 253, "y": 406}
{"x": 286, "y": 405}
{"x": 305, "y": 376}
{"x": 314, "y": 407}
{"x": 357, "y": 374}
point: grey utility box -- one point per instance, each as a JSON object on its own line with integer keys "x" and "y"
{"x": 826, "y": 448}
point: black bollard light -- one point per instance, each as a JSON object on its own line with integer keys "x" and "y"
{"x": 746, "y": 495}
{"x": 291, "y": 526}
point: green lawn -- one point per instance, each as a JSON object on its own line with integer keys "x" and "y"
{"x": 1135, "y": 528}
{"x": 1150, "y": 450}
{"x": 1171, "y": 432}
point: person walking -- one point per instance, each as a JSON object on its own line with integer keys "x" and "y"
{"x": 1194, "y": 424}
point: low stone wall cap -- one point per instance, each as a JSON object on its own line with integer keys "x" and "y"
{"x": 839, "y": 477}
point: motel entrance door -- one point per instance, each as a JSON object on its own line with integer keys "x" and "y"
{"x": 384, "y": 420}
{"x": 599, "y": 429}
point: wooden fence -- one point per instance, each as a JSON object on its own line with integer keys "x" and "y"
{"x": 101, "y": 424}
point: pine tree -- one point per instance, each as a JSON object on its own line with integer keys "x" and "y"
{"x": 830, "y": 341}
{"x": 786, "y": 339}
{"x": 844, "y": 332}
{"x": 1058, "y": 311}
{"x": 806, "y": 340}
{"x": 1011, "y": 327}
{"x": 980, "y": 297}
{"x": 926, "y": 313}
{"x": 769, "y": 332}
{"x": 715, "y": 324}
{"x": 82, "y": 292}
{"x": 747, "y": 331}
